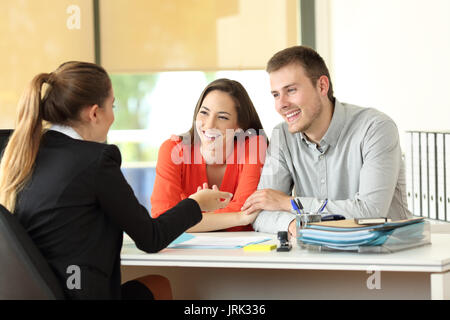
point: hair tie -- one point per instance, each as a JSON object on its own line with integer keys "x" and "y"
{"x": 45, "y": 86}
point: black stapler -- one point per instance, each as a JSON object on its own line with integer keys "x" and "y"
{"x": 284, "y": 245}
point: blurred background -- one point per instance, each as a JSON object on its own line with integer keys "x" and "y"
{"x": 392, "y": 55}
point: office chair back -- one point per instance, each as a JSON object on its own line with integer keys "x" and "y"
{"x": 24, "y": 272}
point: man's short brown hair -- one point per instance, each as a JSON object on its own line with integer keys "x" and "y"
{"x": 309, "y": 59}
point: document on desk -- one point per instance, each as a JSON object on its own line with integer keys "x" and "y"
{"x": 189, "y": 241}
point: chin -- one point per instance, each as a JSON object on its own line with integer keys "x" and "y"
{"x": 297, "y": 127}
{"x": 294, "y": 128}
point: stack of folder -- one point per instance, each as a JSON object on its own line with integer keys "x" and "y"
{"x": 347, "y": 235}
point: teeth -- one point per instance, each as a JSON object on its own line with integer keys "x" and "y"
{"x": 210, "y": 136}
{"x": 292, "y": 114}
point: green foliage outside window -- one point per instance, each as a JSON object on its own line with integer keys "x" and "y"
{"x": 132, "y": 111}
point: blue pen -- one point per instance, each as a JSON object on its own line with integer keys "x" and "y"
{"x": 296, "y": 208}
{"x": 299, "y": 205}
{"x": 322, "y": 207}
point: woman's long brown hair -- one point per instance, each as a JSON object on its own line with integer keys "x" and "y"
{"x": 73, "y": 86}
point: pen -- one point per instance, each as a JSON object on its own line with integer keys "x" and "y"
{"x": 322, "y": 207}
{"x": 297, "y": 208}
{"x": 299, "y": 204}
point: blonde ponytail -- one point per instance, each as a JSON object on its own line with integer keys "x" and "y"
{"x": 20, "y": 153}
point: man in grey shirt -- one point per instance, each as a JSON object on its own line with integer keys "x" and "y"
{"x": 325, "y": 149}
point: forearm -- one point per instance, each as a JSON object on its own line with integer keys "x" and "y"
{"x": 217, "y": 221}
{"x": 273, "y": 221}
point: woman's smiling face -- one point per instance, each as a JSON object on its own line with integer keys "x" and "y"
{"x": 216, "y": 117}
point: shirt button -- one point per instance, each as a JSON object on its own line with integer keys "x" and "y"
{"x": 321, "y": 157}
{"x": 322, "y": 181}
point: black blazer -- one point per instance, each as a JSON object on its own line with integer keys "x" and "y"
{"x": 77, "y": 205}
{"x": 4, "y": 136}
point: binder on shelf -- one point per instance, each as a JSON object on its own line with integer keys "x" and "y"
{"x": 432, "y": 183}
{"x": 440, "y": 176}
{"x": 409, "y": 173}
{"x": 424, "y": 173}
{"x": 447, "y": 174}
{"x": 417, "y": 186}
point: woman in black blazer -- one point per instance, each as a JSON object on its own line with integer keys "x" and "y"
{"x": 66, "y": 187}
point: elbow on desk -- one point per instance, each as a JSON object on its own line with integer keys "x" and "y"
{"x": 152, "y": 244}
{"x": 148, "y": 248}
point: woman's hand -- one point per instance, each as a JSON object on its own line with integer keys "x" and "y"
{"x": 205, "y": 186}
{"x": 211, "y": 199}
{"x": 248, "y": 218}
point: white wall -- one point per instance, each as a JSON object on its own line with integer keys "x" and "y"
{"x": 393, "y": 55}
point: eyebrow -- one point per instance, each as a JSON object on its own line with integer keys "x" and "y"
{"x": 217, "y": 112}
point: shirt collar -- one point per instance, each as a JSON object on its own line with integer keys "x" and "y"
{"x": 68, "y": 131}
{"x": 334, "y": 130}
{"x": 337, "y": 123}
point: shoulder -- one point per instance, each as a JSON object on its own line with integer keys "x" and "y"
{"x": 170, "y": 146}
{"x": 111, "y": 153}
{"x": 370, "y": 123}
{"x": 365, "y": 114}
{"x": 87, "y": 151}
{"x": 101, "y": 153}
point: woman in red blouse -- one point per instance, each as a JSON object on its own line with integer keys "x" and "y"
{"x": 225, "y": 149}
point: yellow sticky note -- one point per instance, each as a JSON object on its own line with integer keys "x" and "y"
{"x": 260, "y": 247}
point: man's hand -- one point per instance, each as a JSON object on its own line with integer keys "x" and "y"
{"x": 292, "y": 229}
{"x": 267, "y": 199}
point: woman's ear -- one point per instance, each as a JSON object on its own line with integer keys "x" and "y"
{"x": 91, "y": 113}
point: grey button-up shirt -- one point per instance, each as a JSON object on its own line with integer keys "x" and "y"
{"x": 358, "y": 168}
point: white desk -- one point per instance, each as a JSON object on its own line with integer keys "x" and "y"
{"x": 419, "y": 273}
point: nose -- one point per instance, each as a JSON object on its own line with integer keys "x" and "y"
{"x": 282, "y": 102}
{"x": 209, "y": 123}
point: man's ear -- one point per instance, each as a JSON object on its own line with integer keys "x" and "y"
{"x": 323, "y": 84}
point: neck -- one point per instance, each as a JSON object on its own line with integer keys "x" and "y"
{"x": 320, "y": 126}
{"x": 214, "y": 157}
{"x": 83, "y": 132}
